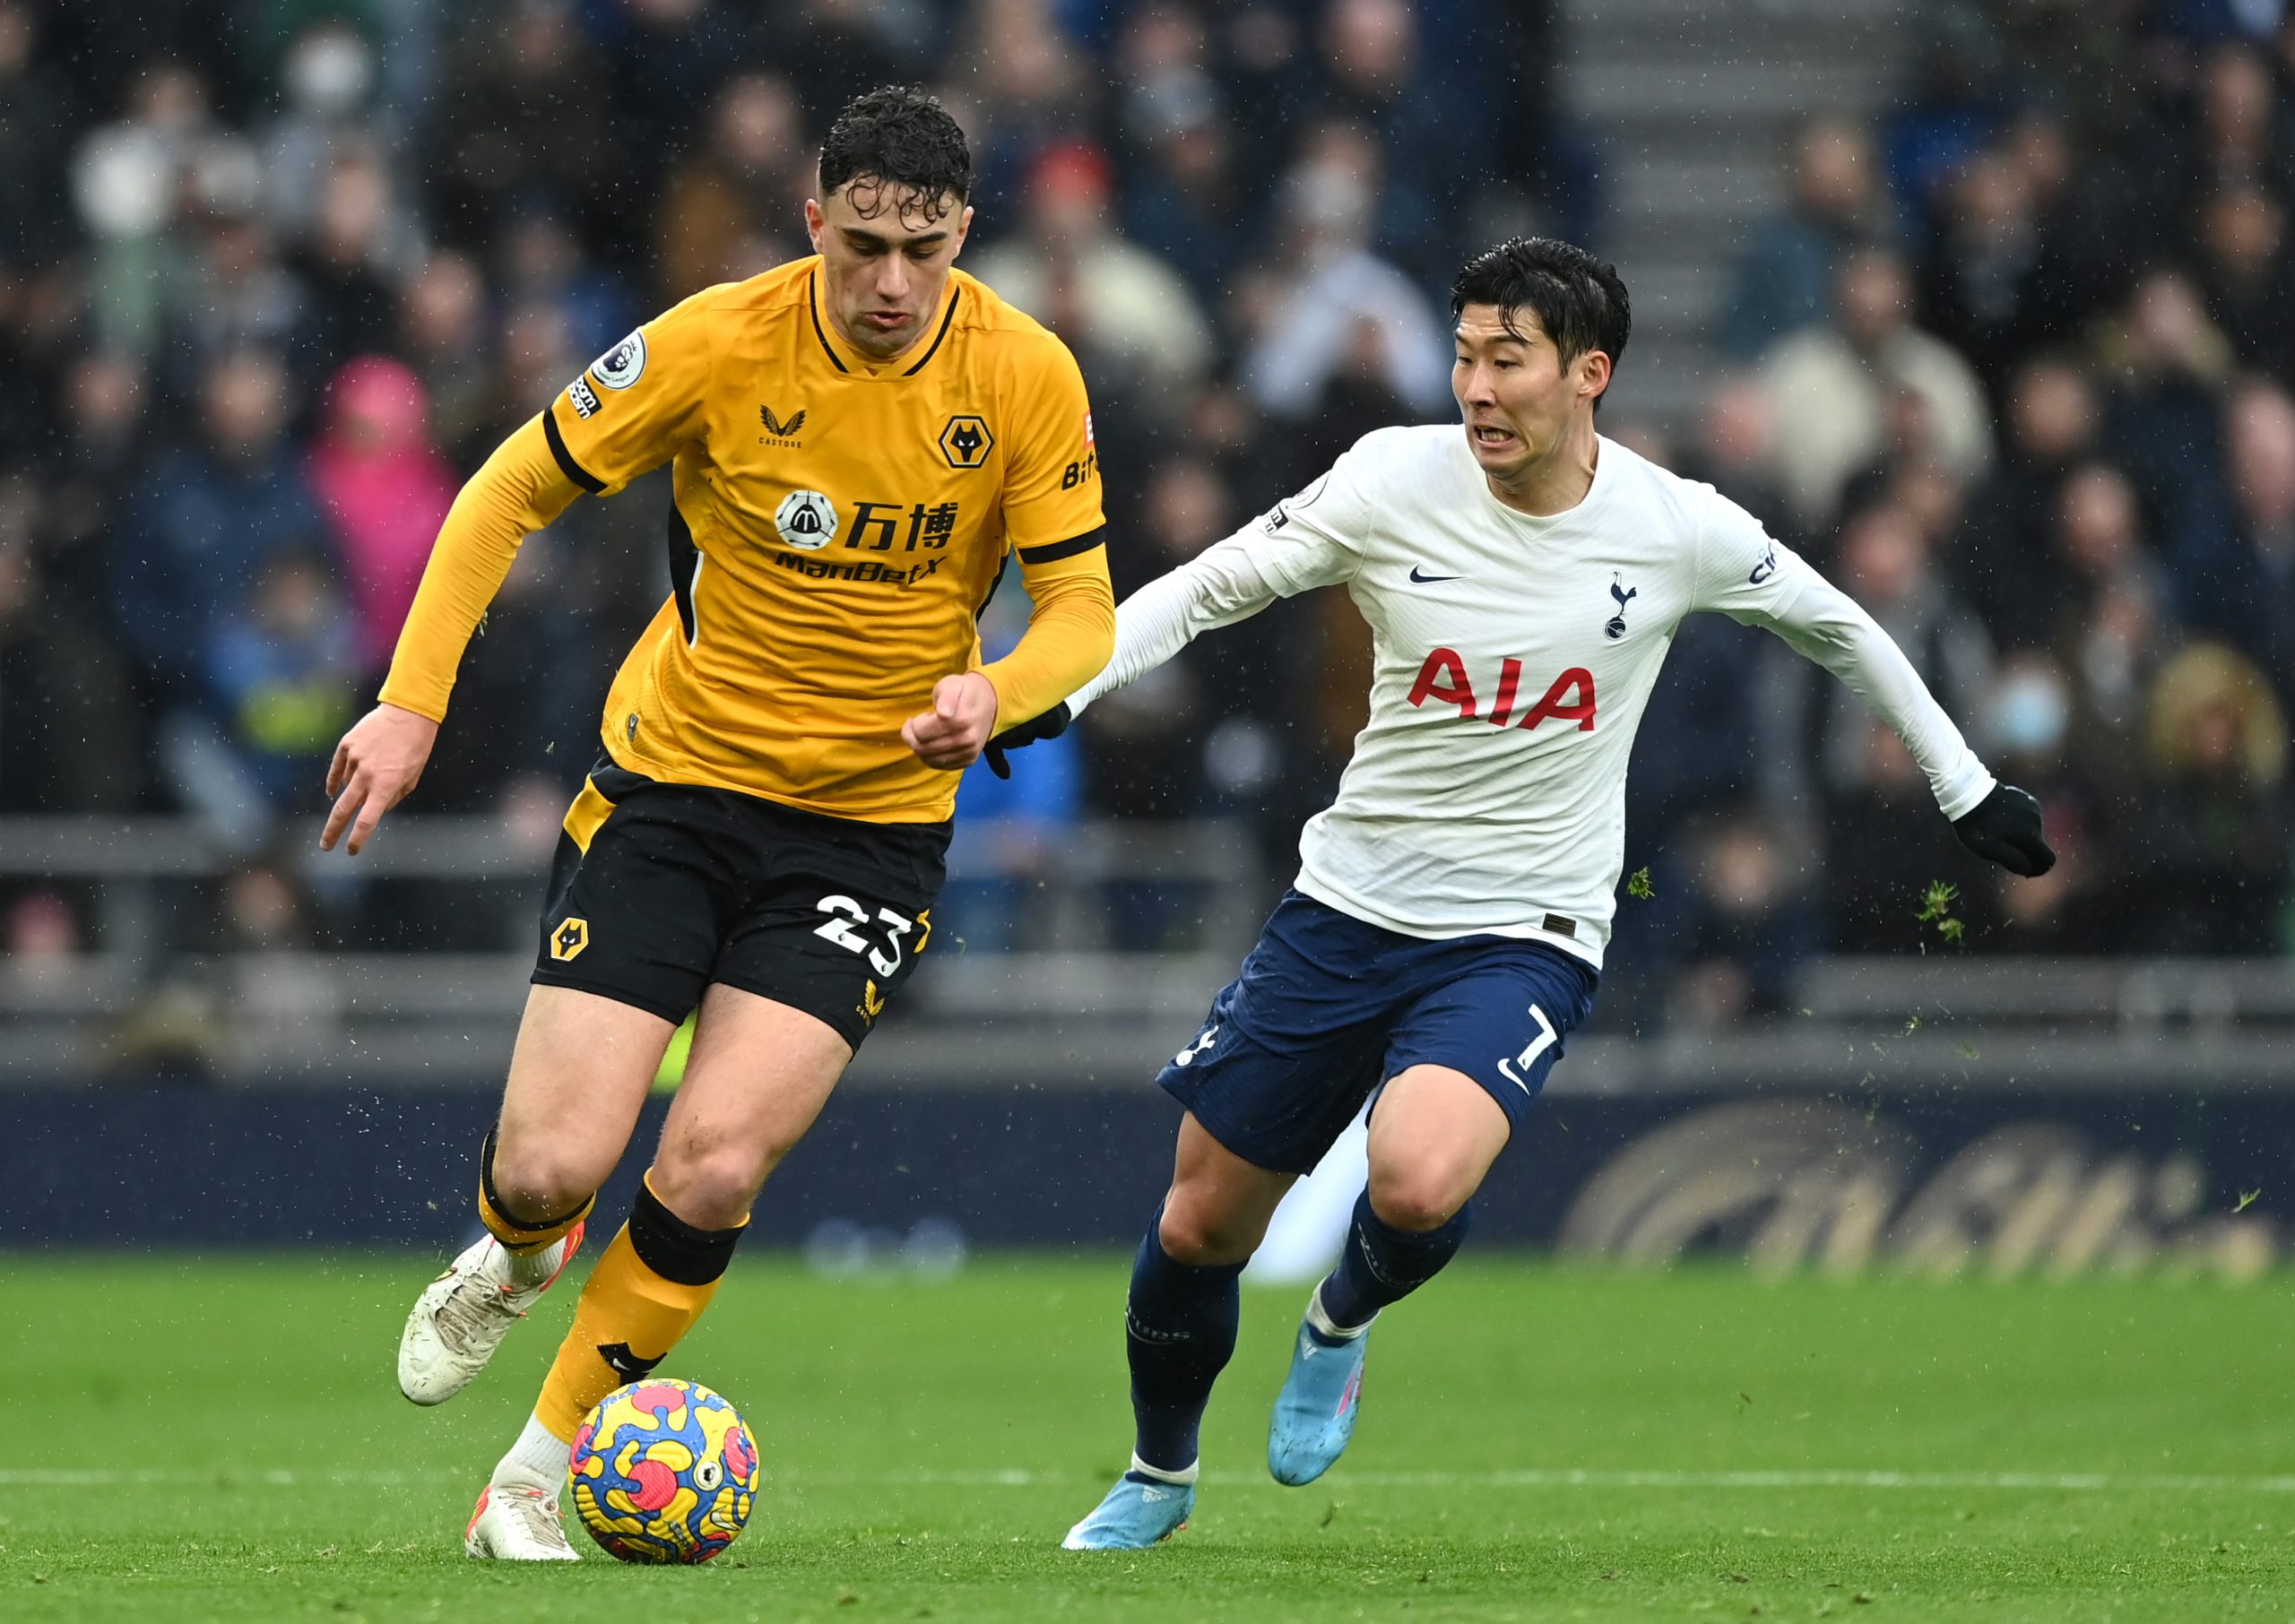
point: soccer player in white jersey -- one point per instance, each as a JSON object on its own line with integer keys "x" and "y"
{"x": 1522, "y": 579}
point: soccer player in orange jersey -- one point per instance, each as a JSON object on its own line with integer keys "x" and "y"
{"x": 862, "y": 439}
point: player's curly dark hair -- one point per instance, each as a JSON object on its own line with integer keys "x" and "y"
{"x": 1578, "y": 299}
{"x": 903, "y": 137}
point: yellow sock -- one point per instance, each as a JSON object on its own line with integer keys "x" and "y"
{"x": 645, "y": 1293}
{"x": 516, "y": 1234}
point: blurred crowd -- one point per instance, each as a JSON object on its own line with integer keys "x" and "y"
{"x": 277, "y": 274}
{"x": 2013, "y": 364}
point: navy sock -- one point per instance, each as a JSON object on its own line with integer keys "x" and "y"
{"x": 1179, "y": 1332}
{"x": 1382, "y": 1265}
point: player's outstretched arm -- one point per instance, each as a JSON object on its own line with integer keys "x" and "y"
{"x": 1998, "y": 822}
{"x": 1312, "y": 539}
{"x": 521, "y": 488}
{"x": 1071, "y": 631}
{"x": 1218, "y": 587}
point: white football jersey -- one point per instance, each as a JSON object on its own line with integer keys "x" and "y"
{"x": 1514, "y": 657}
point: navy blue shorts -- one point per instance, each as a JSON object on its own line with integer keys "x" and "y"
{"x": 1327, "y": 1007}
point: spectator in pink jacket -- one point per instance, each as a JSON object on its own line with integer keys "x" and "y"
{"x": 384, "y": 488}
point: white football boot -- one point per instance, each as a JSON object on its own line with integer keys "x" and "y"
{"x": 461, "y": 1317}
{"x": 517, "y": 1522}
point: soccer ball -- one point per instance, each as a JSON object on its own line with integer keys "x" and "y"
{"x": 663, "y": 1471}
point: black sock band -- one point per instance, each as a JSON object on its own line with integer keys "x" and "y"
{"x": 674, "y": 1249}
{"x": 1382, "y": 1264}
{"x": 531, "y": 1226}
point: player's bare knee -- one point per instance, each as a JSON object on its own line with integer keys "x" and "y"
{"x": 1417, "y": 1199}
{"x": 711, "y": 1188}
{"x": 1194, "y": 1232}
{"x": 540, "y": 1181}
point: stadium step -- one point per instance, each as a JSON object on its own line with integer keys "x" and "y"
{"x": 1669, "y": 86}
{"x": 1689, "y": 103}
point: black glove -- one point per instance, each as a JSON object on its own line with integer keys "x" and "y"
{"x": 1052, "y": 724}
{"x": 2004, "y": 828}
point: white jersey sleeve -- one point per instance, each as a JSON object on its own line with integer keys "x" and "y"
{"x": 1742, "y": 573}
{"x": 1312, "y": 539}
{"x": 1318, "y": 537}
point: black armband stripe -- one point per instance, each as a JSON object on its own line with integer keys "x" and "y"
{"x": 1050, "y": 551}
{"x": 567, "y": 465}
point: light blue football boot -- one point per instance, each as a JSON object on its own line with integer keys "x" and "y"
{"x": 1314, "y": 1414}
{"x": 1139, "y": 1512}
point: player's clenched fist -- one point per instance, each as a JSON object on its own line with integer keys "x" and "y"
{"x": 952, "y": 733}
{"x": 376, "y": 766}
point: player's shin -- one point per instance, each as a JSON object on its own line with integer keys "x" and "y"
{"x": 647, "y": 1291}
{"x": 1179, "y": 1333}
{"x": 1381, "y": 1265}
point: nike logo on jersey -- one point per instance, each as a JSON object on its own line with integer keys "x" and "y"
{"x": 1420, "y": 579}
{"x": 1765, "y": 569}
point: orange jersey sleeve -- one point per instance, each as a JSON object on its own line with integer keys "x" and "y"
{"x": 1052, "y": 492}
{"x": 640, "y": 404}
{"x": 1070, "y": 634}
{"x": 521, "y": 488}
{"x": 1053, "y": 521}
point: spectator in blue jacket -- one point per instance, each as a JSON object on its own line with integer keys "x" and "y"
{"x": 281, "y": 676}
{"x": 214, "y": 515}
{"x": 211, "y": 516}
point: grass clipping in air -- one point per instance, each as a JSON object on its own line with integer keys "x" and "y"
{"x": 1936, "y": 909}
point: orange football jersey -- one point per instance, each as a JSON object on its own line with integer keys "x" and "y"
{"x": 837, "y": 527}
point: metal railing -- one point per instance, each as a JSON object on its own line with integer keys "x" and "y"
{"x": 1074, "y": 1007}
{"x": 450, "y": 1015}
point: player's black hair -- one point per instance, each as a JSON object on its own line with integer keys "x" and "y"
{"x": 905, "y": 138}
{"x": 1578, "y": 298}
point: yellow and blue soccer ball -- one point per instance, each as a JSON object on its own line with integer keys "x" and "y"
{"x": 663, "y": 1471}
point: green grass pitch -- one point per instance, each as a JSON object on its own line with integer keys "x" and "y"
{"x": 221, "y": 1438}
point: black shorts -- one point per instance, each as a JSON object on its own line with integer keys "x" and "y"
{"x": 659, "y": 889}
